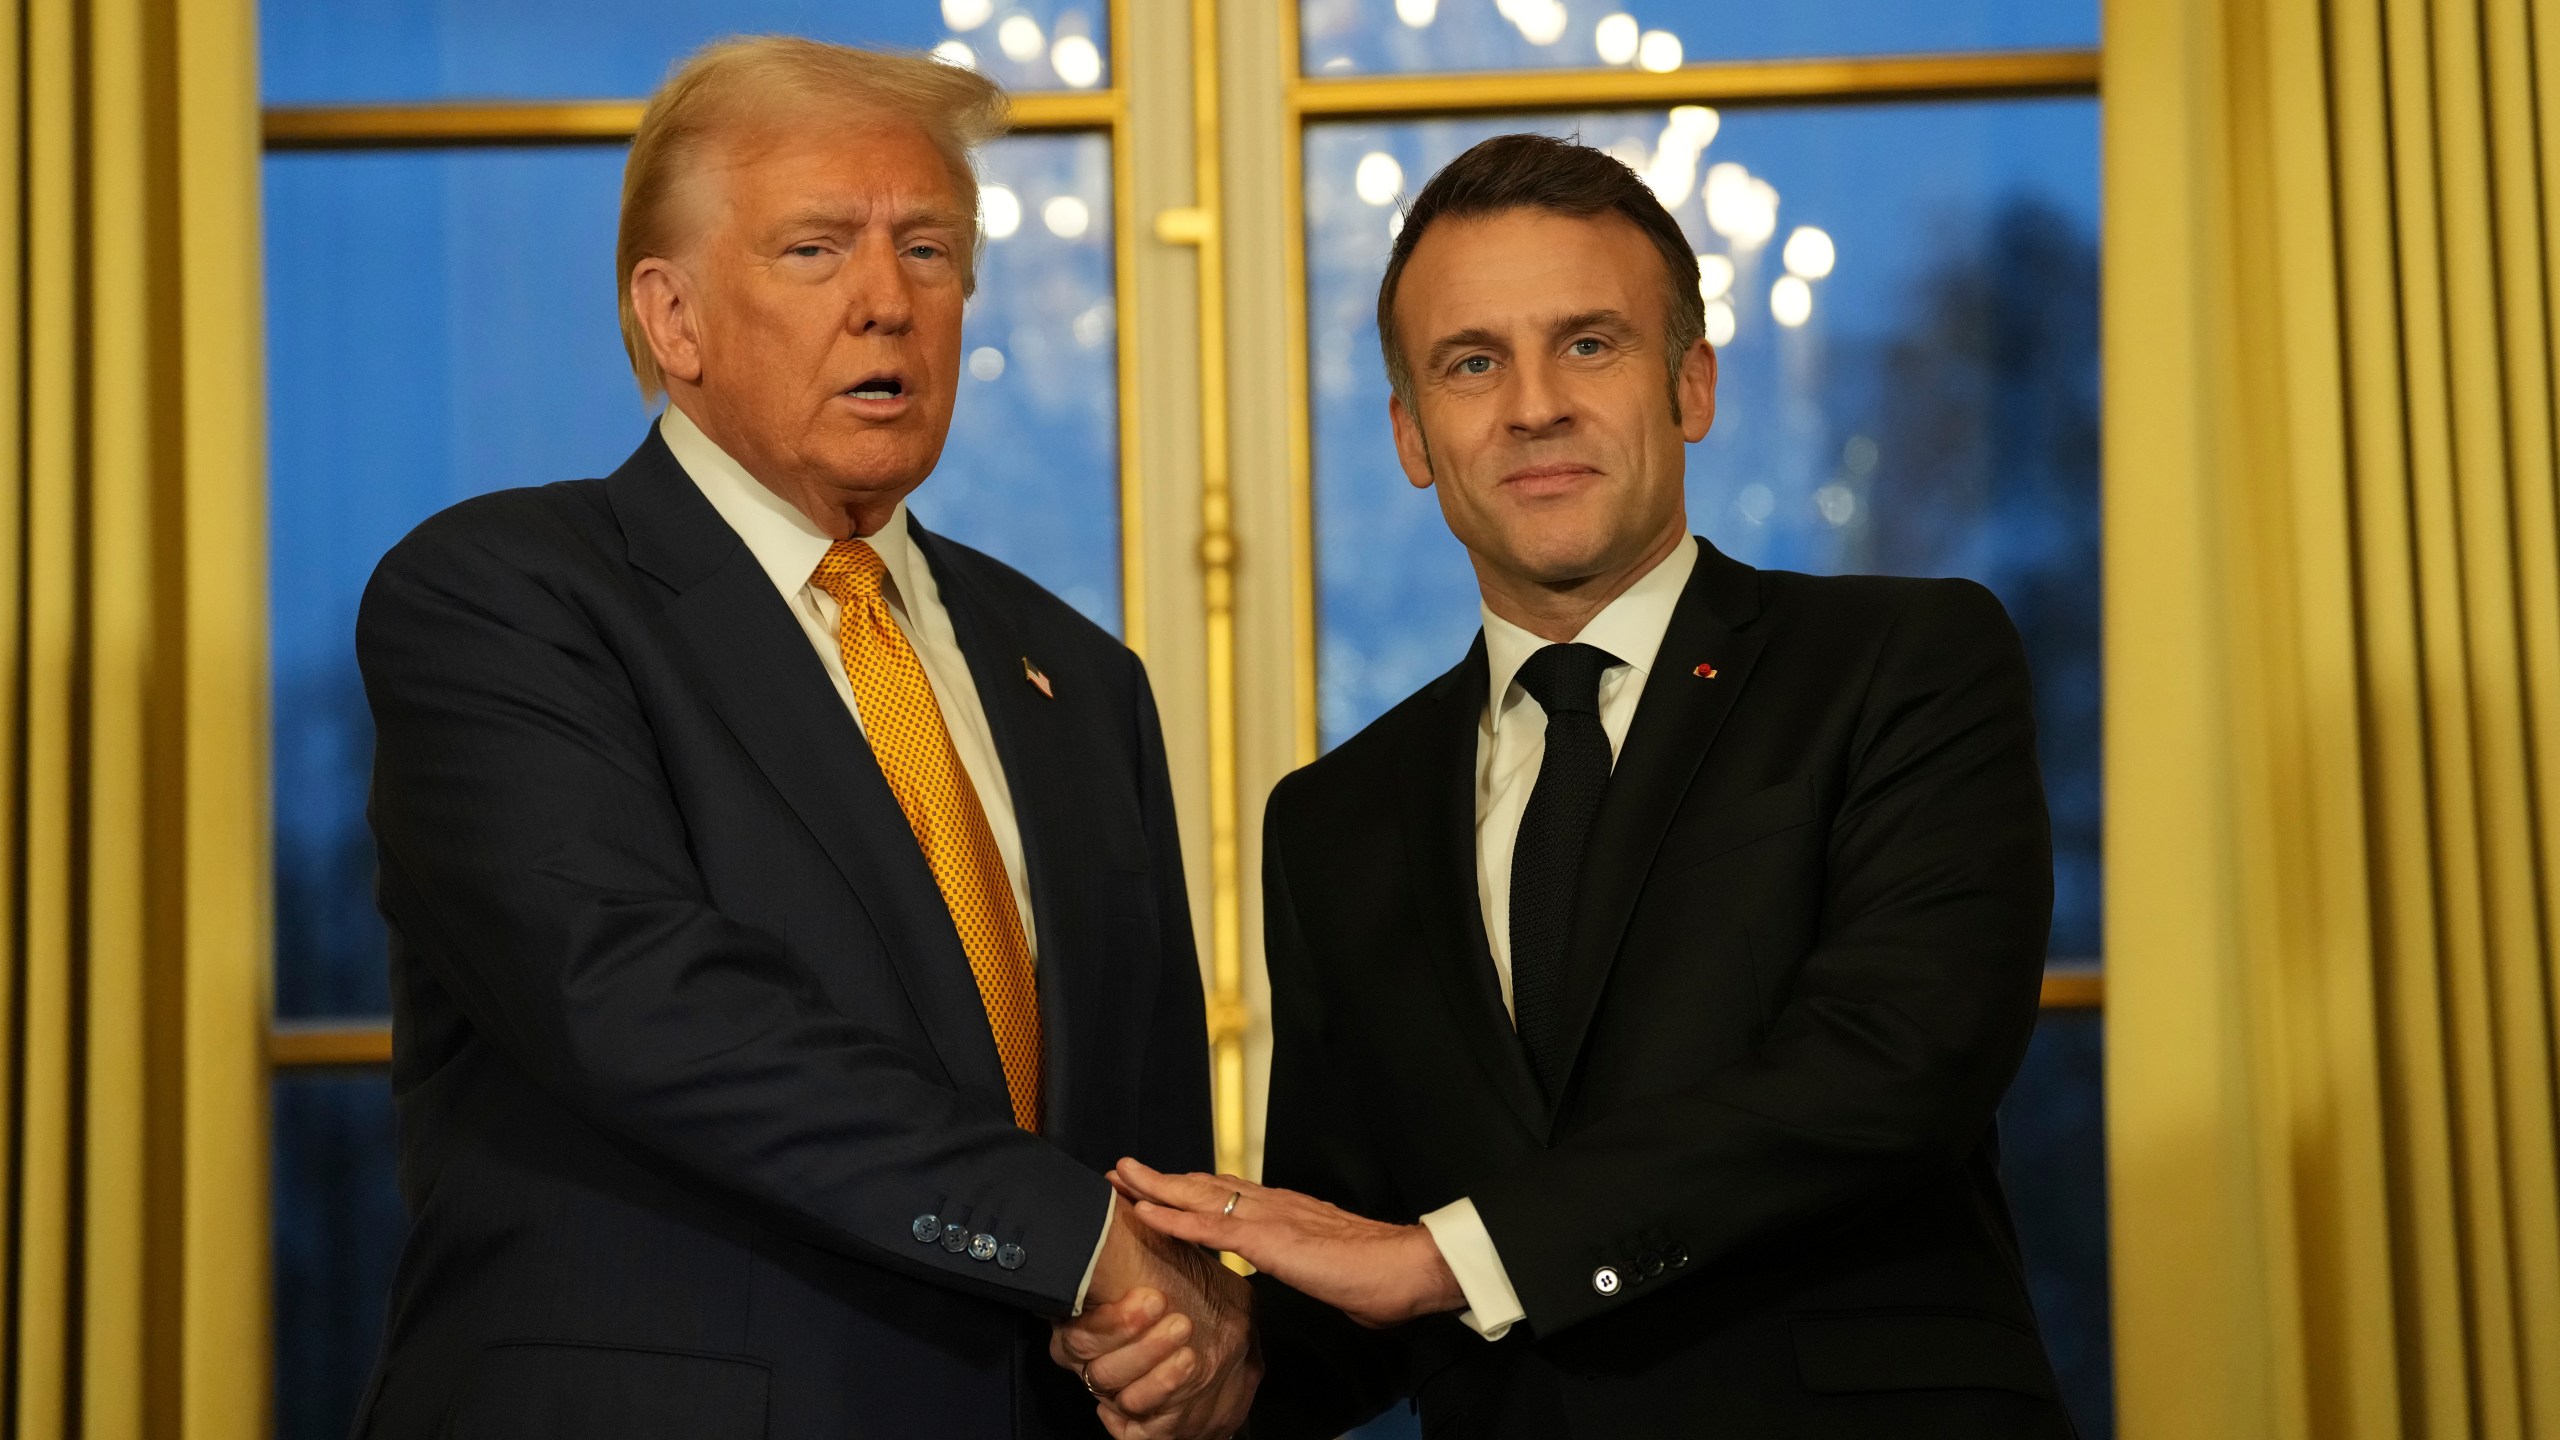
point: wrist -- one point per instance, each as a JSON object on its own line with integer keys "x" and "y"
{"x": 1436, "y": 1288}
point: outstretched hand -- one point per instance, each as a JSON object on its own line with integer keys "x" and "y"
{"x": 1376, "y": 1273}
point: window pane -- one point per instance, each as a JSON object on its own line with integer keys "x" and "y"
{"x": 442, "y": 323}
{"x": 2053, "y": 1162}
{"x": 1934, "y": 412}
{"x": 332, "y": 52}
{"x": 338, "y": 1222}
{"x": 1352, "y": 37}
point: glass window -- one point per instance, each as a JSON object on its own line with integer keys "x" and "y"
{"x": 1906, "y": 298}
{"x": 2053, "y": 1164}
{"x": 337, "y": 1227}
{"x": 1352, "y": 37}
{"x": 442, "y": 323}
{"x": 330, "y": 52}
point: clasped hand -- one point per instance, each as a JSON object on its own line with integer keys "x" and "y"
{"x": 1178, "y": 1363}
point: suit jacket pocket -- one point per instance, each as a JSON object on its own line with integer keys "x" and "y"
{"x": 1919, "y": 1350}
{"x": 558, "y": 1390}
{"x": 1730, "y": 826}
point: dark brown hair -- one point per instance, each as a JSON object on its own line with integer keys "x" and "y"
{"x": 1566, "y": 177}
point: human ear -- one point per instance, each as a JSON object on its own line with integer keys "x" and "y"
{"x": 1696, "y": 387}
{"x": 1413, "y": 449}
{"x": 662, "y": 298}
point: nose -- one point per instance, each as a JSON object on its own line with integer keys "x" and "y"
{"x": 880, "y": 297}
{"x": 1539, "y": 404}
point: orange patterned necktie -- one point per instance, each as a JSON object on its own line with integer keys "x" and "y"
{"x": 906, "y": 732}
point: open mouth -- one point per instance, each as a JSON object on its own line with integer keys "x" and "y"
{"x": 876, "y": 387}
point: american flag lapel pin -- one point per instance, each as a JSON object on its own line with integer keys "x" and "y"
{"x": 1704, "y": 671}
{"x": 1032, "y": 673}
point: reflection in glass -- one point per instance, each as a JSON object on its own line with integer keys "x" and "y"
{"x": 442, "y": 324}
{"x": 1907, "y": 303}
{"x": 1353, "y": 37}
{"x": 337, "y": 1227}
{"x": 331, "y": 52}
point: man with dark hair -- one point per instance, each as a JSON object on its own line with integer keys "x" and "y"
{"x": 1643, "y": 989}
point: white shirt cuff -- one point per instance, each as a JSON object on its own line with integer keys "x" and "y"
{"x": 1493, "y": 1307}
{"x": 1096, "y": 1257}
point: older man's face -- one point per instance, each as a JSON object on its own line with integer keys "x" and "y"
{"x": 1541, "y": 412}
{"x": 829, "y": 323}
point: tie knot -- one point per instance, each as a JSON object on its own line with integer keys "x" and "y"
{"x": 1566, "y": 678}
{"x": 851, "y": 572}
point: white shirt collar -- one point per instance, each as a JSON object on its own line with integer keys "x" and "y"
{"x": 1630, "y": 627}
{"x": 786, "y": 543}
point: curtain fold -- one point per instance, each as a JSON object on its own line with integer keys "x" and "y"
{"x": 132, "y": 598}
{"x": 2333, "y": 716}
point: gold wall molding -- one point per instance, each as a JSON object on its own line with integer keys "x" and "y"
{"x": 1855, "y": 80}
{"x": 295, "y": 1045}
{"x": 469, "y": 123}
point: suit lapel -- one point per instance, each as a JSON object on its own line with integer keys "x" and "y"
{"x": 1439, "y": 801}
{"x": 1675, "y": 725}
{"x": 1036, "y": 747}
{"x": 772, "y": 692}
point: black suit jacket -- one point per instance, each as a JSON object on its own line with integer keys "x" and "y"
{"x": 686, "y": 1043}
{"x": 1803, "y": 966}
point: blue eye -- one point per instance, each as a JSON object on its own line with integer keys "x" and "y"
{"x": 1586, "y": 346}
{"x": 925, "y": 252}
{"x": 808, "y": 252}
{"x": 1475, "y": 364}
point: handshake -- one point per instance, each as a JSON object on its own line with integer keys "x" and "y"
{"x": 1166, "y": 1343}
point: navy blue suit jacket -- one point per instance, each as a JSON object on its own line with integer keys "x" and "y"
{"x": 686, "y": 1044}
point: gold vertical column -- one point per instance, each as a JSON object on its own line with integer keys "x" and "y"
{"x": 1198, "y": 226}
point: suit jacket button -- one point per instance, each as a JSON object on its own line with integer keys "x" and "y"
{"x": 1605, "y": 1280}
{"x": 955, "y": 1236}
{"x": 927, "y": 1229}
{"x": 1648, "y": 1265}
{"x": 982, "y": 1247}
{"x": 1011, "y": 1257}
{"x": 1677, "y": 1256}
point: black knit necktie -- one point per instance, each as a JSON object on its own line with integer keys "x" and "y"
{"x": 1546, "y": 862}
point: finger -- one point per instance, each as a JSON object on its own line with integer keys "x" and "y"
{"x": 1105, "y": 1328}
{"x": 1213, "y": 1230}
{"x": 1112, "y": 1374}
{"x": 1168, "y": 1383}
{"x": 1185, "y": 1192}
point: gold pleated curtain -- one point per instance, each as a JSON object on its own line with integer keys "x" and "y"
{"x": 133, "y": 1180}
{"x": 2333, "y": 677}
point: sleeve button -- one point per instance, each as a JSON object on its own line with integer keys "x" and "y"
{"x": 982, "y": 1247}
{"x": 1011, "y": 1257}
{"x": 955, "y": 1236}
{"x": 927, "y": 1229}
{"x": 1604, "y": 1280}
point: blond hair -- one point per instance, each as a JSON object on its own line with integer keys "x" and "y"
{"x": 735, "y": 86}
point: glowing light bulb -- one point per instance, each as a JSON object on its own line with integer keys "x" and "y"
{"x": 986, "y": 362}
{"x": 1000, "y": 211}
{"x": 1019, "y": 38}
{"x": 1791, "y": 301}
{"x": 1066, "y": 217}
{"x": 1658, "y": 51}
{"x": 1719, "y": 323}
{"x": 1715, "y": 277}
{"x": 1417, "y": 13}
{"x": 1809, "y": 253}
{"x": 1378, "y": 179}
{"x": 1077, "y": 60}
{"x": 953, "y": 53}
{"x": 1615, "y": 38}
{"x": 967, "y": 14}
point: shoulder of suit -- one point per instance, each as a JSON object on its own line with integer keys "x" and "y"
{"x": 524, "y": 526}
{"x": 1877, "y": 603}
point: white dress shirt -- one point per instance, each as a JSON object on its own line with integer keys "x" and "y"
{"x": 1511, "y": 740}
{"x": 788, "y": 546}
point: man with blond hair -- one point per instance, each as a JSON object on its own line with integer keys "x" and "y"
{"x": 787, "y": 919}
